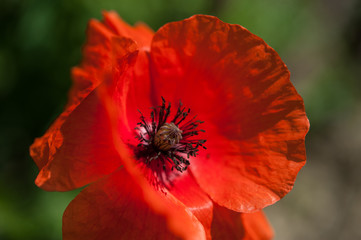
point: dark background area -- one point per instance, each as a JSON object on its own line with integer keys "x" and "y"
{"x": 319, "y": 40}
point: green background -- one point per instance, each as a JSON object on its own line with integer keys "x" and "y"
{"x": 319, "y": 40}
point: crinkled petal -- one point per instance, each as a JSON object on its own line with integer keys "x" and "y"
{"x": 254, "y": 119}
{"x": 79, "y": 148}
{"x": 96, "y": 61}
{"x": 115, "y": 208}
{"x": 140, "y": 33}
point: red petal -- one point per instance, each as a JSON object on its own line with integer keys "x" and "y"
{"x": 97, "y": 51}
{"x": 96, "y": 56}
{"x": 186, "y": 190}
{"x": 254, "y": 119}
{"x": 115, "y": 208}
{"x": 228, "y": 224}
{"x": 141, "y": 33}
{"x": 133, "y": 94}
{"x": 79, "y": 147}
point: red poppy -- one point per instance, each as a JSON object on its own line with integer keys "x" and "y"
{"x": 168, "y": 172}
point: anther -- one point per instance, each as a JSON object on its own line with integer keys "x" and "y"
{"x": 169, "y": 144}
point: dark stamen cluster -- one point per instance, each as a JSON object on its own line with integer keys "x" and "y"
{"x": 169, "y": 144}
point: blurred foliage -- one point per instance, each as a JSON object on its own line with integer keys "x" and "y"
{"x": 41, "y": 40}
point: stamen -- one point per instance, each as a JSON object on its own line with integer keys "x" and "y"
{"x": 167, "y": 145}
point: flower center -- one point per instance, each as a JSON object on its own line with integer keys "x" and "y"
{"x": 168, "y": 144}
{"x": 167, "y": 136}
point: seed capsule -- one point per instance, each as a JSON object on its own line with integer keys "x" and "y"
{"x": 167, "y": 136}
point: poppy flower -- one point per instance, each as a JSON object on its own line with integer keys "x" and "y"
{"x": 187, "y": 132}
